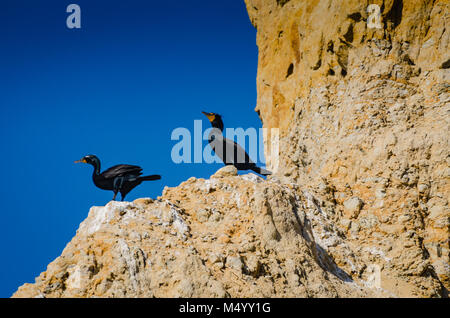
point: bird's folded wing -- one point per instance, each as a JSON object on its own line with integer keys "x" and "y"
{"x": 122, "y": 170}
{"x": 229, "y": 151}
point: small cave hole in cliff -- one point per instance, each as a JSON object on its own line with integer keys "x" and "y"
{"x": 330, "y": 72}
{"x": 281, "y": 3}
{"x": 395, "y": 14}
{"x": 355, "y": 16}
{"x": 348, "y": 36}
{"x": 446, "y": 64}
{"x": 290, "y": 70}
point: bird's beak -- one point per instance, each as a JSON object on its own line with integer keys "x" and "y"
{"x": 80, "y": 161}
{"x": 210, "y": 116}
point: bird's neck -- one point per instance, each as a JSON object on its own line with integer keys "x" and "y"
{"x": 96, "y": 166}
{"x": 217, "y": 124}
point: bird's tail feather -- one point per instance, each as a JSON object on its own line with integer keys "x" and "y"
{"x": 261, "y": 171}
{"x": 152, "y": 177}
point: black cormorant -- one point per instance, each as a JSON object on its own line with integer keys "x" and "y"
{"x": 228, "y": 150}
{"x": 119, "y": 178}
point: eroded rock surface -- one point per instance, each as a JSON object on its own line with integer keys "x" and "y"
{"x": 364, "y": 117}
{"x": 230, "y": 236}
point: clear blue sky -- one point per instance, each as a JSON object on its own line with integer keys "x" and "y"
{"x": 116, "y": 88}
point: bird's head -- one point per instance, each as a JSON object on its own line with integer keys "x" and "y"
{"x": 89, "y": 159}
{"x": 214, "y": 119}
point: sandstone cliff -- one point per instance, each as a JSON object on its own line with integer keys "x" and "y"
{"x": 358, "y": 206}
{"x": 364, "y": 118}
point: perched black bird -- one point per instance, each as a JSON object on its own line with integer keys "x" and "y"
{"x": 228, "y": 150}
{"x": 119, "y": 178}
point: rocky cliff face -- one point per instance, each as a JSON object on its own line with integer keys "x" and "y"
{"x": 363, "y": 115}
{"x": 358, "y": 206}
